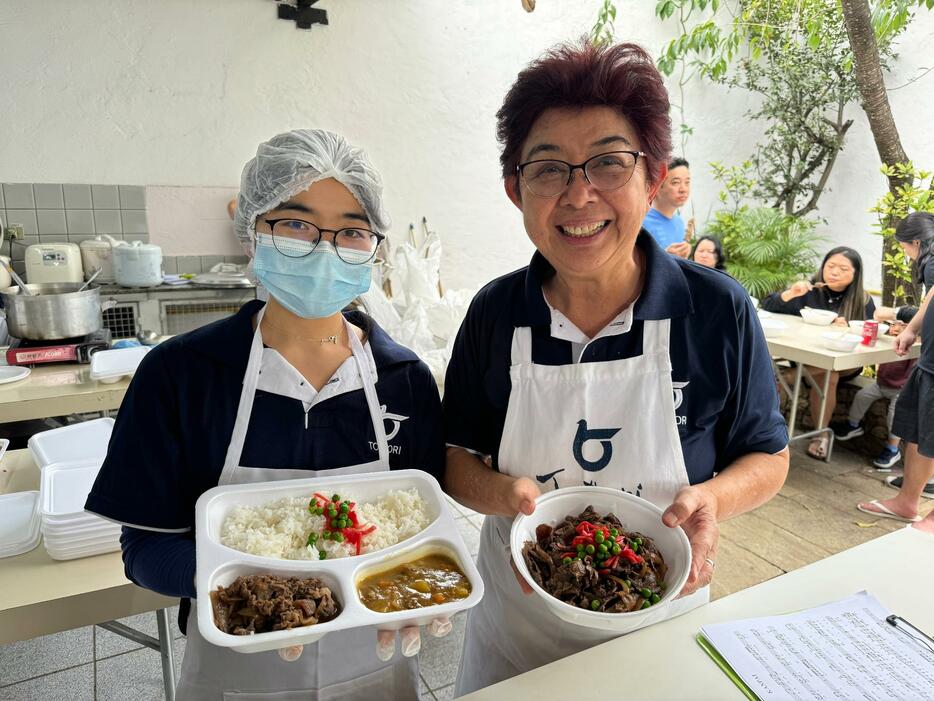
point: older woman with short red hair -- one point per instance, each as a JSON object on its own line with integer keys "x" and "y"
{"x": 604, "y": 361}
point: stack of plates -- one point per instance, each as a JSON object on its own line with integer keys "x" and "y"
{"x": 19, "y": 523}
{"x": 82, "y": 441}
{"x": 69, "y": 532}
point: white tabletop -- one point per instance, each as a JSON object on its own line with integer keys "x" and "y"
{"x": 665, "y": 662}
{"x": 58, "y": 389}
{"x": 803, "y": 343}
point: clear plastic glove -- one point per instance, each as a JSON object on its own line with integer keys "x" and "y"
{"x": 410, "y": 638}
{"x": 291, "y": 653}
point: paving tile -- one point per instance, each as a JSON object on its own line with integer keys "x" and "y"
{"x": 26, "y": 659}
{"x": 76, "y": 684}
{"x": 470, "y": 534}
{"x": 781, "y": 547}
{"x": 108, "y": 644}
{"x": 440, "y": 657}
{"x": 424, "y": 691}
{"x": 445, "y": 693}
{"x": 140, "y": 671}
{"x": 738, "y": 568}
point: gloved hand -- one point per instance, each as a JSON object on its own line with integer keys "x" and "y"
{"x": 411, "y": 641}
{"x": 386, "y": 641}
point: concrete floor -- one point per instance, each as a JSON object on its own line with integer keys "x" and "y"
{"x": 812, "y": 517}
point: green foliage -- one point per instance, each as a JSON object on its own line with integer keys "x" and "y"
{"x": 766, "y": 249}
{"x": 602, "y": 31}
{"x": 913, "y": 195}
{"x": 795, "y": 56}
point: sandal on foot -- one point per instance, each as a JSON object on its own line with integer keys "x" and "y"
{"x": 877, "y": 508}
{"x": 820, "y": 451}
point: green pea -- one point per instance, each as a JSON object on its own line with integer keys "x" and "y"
{"x": 326, "y": 535}
{"x": 614, "y": 532}
{"x": 602, "y": 547}
{"x": 655, "y": 598}
{"x": 628, "y": 582}
{"x": 345, "y": 507}
{"x": 339, "y": 537}
{"x": 590, "y": 549}
{"x": 578, "y": 558}
{"x": 645, "y": 605}
{"x": 311, "y": 539}
{"x": 646, "y": 593}
{"x": 595, "y": 604}
{"x": 617, "y": 550}
{"x": 580, "y": 547}
{"x": 638, "y": 541}
{"x": 322, "y": 555}
{"x": 635, "y": 547}
{"x": 335, "y": 523}
{"x": 336, "y": 498}
{"x": 566, "y": 561}
{"x": 599, "y": 537}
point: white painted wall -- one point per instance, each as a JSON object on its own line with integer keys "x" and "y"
{"x": 178, "y": 93}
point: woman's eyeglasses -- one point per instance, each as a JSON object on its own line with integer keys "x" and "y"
{"x": 354, "y": 245}
{"x": 605, "y": 171}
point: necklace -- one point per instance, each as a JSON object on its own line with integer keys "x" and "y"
{"x": 326, "y": 339}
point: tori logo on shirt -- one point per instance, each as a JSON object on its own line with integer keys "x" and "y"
{"x": 678, "y": 387}
{"x": 391, "y": 424}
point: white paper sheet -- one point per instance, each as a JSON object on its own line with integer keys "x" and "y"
{"x": 843, "y": 650}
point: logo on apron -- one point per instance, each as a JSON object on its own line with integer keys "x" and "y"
{"x": 583, "y": 435}
{"x": 392, "y": 422}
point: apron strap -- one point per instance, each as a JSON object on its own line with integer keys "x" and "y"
{"x": 655, "y": 334}
{"x": 369, "y": 390}
{"x": 521, "y": 353}
{"x": 245, "y": 407}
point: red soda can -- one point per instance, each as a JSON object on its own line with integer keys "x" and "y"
{"x": 870, "y": 333}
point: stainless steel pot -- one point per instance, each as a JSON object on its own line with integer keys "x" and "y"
{"x": 54, "y": 311}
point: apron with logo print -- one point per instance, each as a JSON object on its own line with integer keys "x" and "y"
{"x": 342, "y": 665}
{"x": 608, "y": 424}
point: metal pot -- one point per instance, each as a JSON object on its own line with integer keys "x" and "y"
{"x": 54, "y": 311}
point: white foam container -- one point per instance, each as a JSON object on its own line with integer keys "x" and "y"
{"x": 77, "y": 553}
{"x": 818, "y": 317}
{"x": 635, "y": 514}
{"x": 19, "y": 523}
{"x": 218, "y": 565}
{"x": 81, "y": 441}
{"x": 773, "y": 327}
{"x": 845, "y": 343}
{"x": 110, "y": 365}
{"x": 857, "y": 326}
{"x": 63, "y": 489}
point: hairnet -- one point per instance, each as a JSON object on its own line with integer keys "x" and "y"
{"x": 290, "y": 163}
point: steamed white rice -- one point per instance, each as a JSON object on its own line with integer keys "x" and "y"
{"x": 280, "y": 529}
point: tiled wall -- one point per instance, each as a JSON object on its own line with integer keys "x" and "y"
{"x": 56, "y": 213}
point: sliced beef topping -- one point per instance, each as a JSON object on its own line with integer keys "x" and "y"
{"x": 261, "y": 603}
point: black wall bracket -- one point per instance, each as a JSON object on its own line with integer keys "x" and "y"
{"x": 302, "y": 13}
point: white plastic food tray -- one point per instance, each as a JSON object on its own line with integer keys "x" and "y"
{"x": 63, "y": 490}
{"x": 218, "y": 565}
{"x": 110, "y": 365}
{"x": 81, "y": 441}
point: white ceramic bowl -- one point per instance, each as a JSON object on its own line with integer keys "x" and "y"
{"x": 845, "y": 343}
{"x": 818, "y": 317}
{"x": 857, "y": 326}
{"x": 772, "y": 327}
{"x": 636, "y": 515}
{"x": 754, "y": 300}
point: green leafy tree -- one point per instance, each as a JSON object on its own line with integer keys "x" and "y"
{"x": 911, "y": 194}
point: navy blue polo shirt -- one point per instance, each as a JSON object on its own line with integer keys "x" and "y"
{"x": 720, "y": 362}
{"x": 171, "y": 434}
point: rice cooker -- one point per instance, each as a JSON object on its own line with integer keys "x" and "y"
{"x": 137, "y": 264}
{"x": 53, "y": 262}
{"x": 98, "y": 253}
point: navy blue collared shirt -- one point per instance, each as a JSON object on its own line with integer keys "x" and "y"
{"x": 720, "y": 361}
{"x": 171, "y": 435}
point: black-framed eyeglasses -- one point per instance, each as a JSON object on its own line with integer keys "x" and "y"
{"x": 354, "y": 245}
{"x": 605, "y": 171}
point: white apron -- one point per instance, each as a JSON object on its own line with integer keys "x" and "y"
{"x": 342, "y": 665}
{"x": 609, "y": 424}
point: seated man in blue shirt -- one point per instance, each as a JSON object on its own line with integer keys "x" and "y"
{"x": 663, "y": 221}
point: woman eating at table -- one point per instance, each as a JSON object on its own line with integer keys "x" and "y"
{"x": 603, "y": 341}
{"x": 708, "y": 251}
{"x": 838, "y": 287}
{"x": 289, "y": 389}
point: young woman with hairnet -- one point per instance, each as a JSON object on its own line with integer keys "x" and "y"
{"x": 288, "y": 389}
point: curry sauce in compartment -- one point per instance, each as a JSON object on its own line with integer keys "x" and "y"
{"x": 429, "y": 580}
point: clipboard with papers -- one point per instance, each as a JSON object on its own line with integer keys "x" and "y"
{"x": 842, "y": 650}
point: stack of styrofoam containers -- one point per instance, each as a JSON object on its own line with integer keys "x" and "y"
{"x": 69, "y": 459}
{"x": 19, "y": 523}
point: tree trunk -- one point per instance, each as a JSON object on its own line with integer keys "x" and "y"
{"x": 875, "y": 101}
